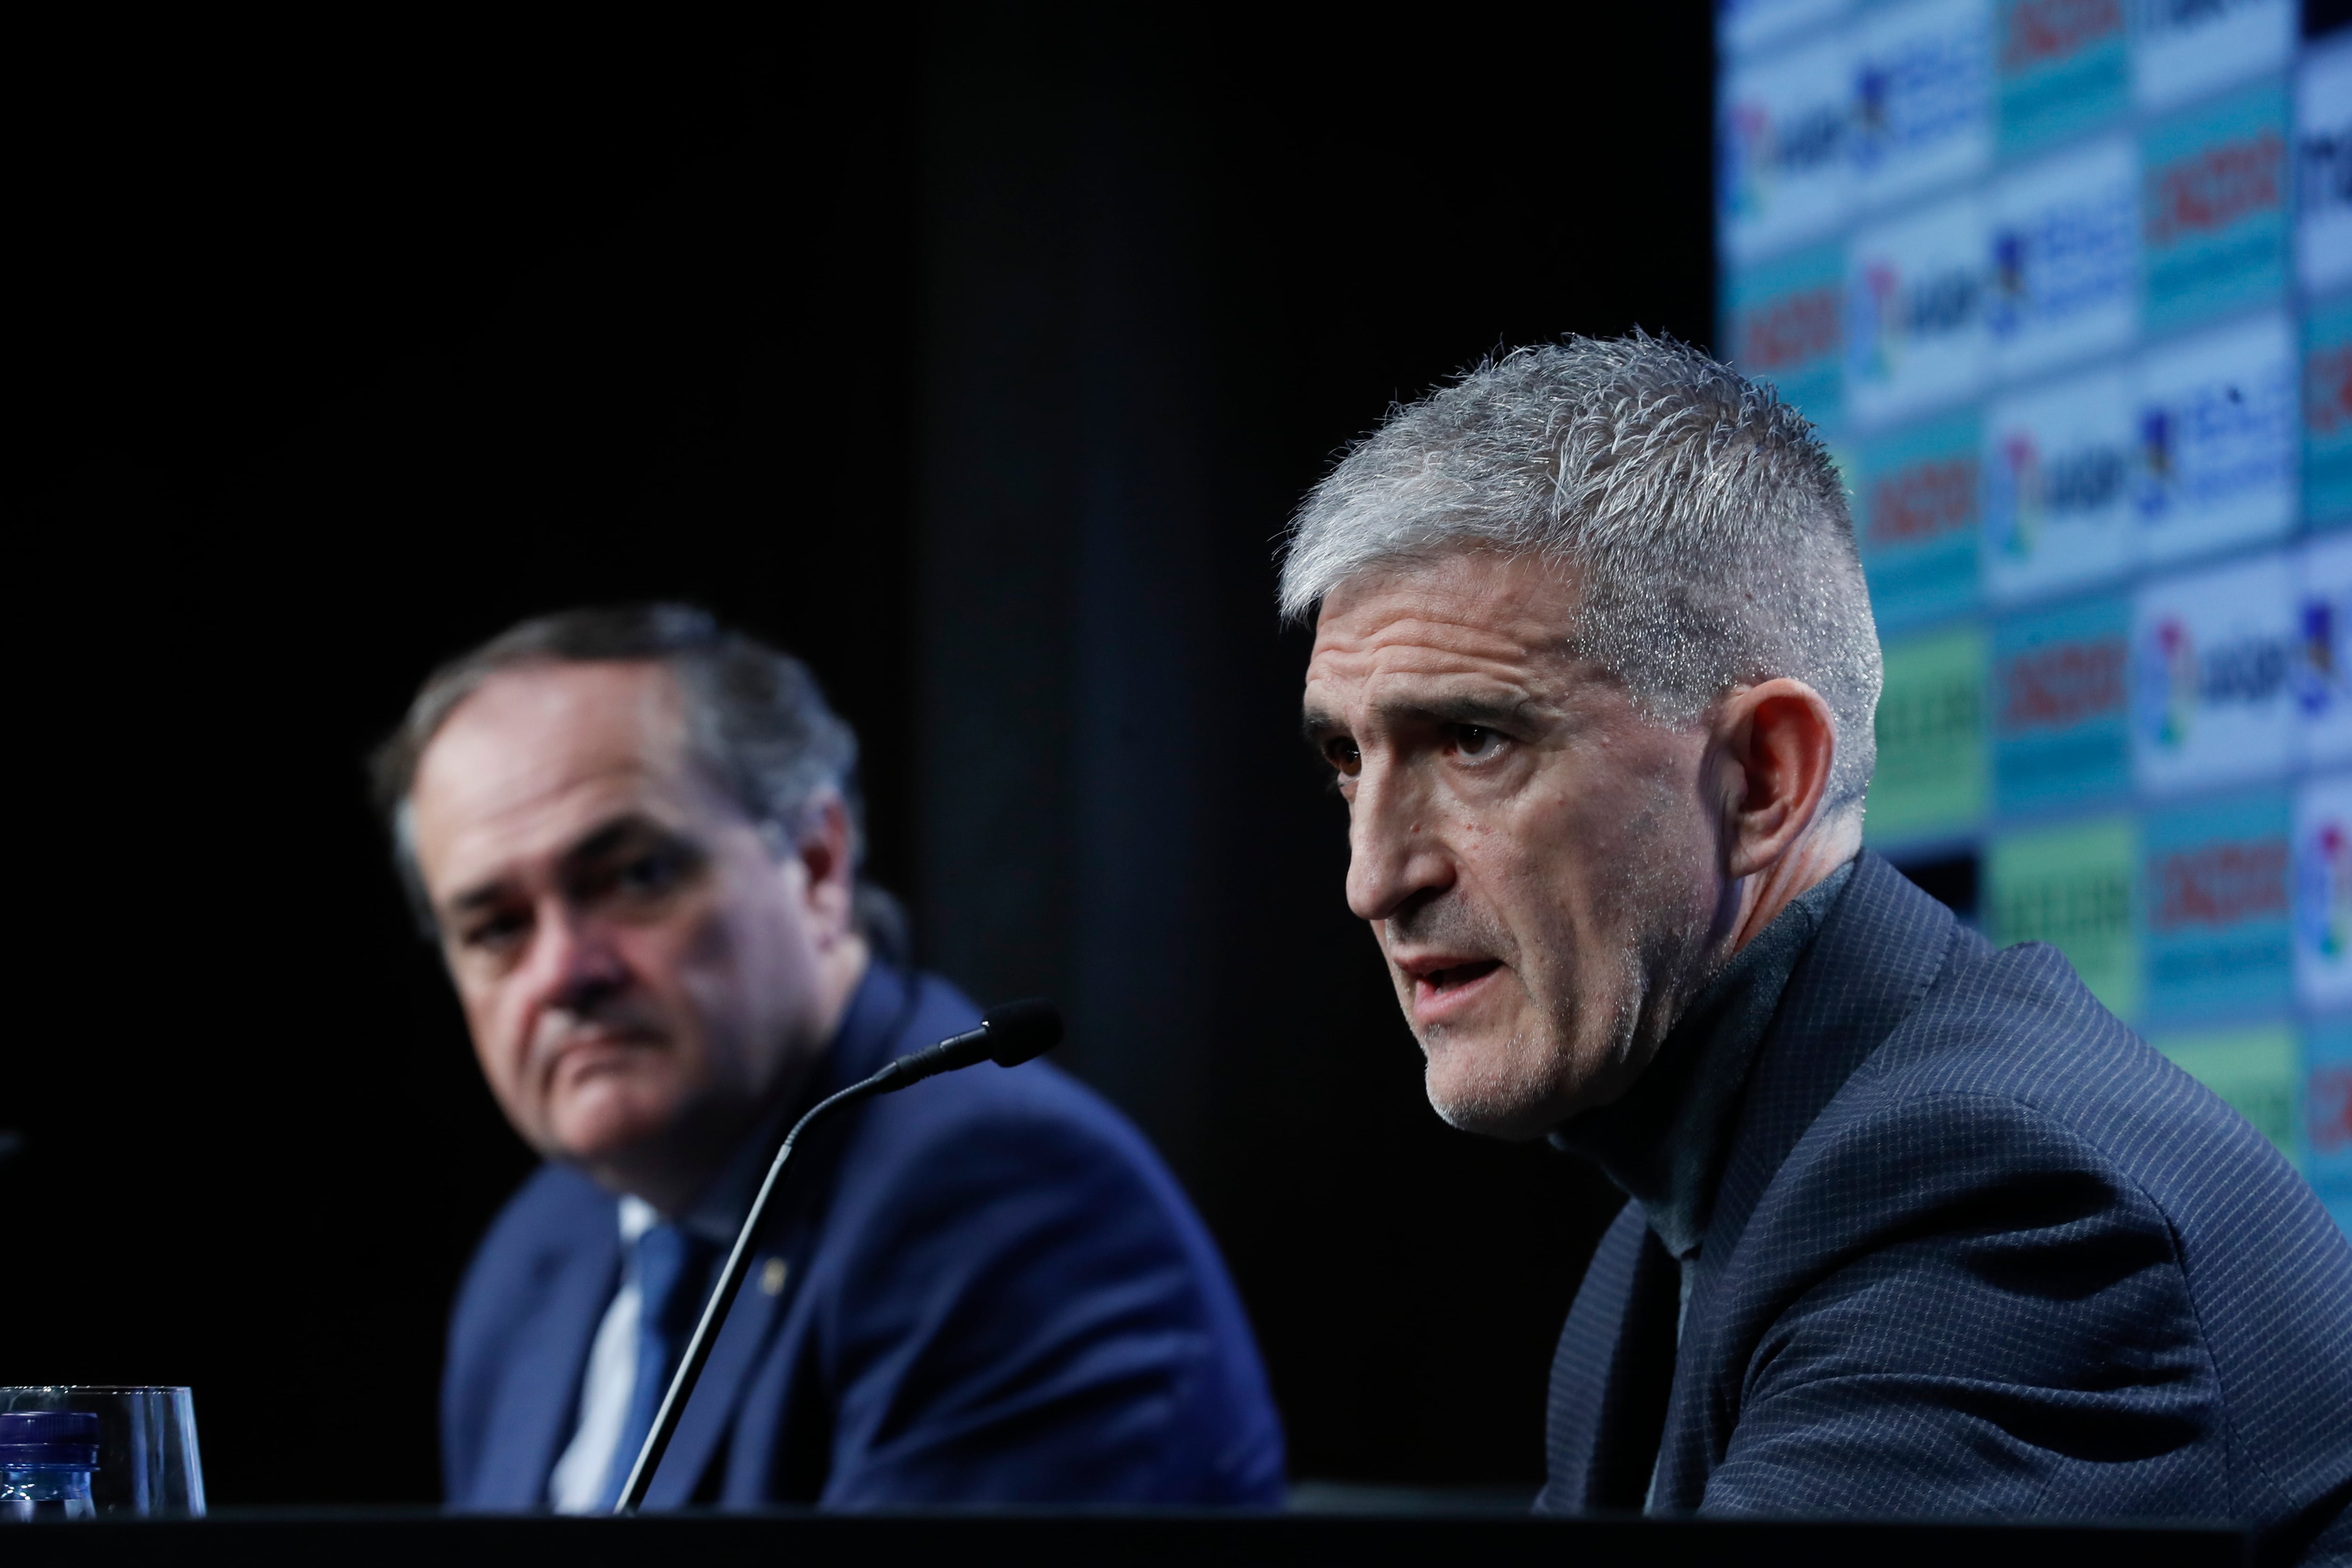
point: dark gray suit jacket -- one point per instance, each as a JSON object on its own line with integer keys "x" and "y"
{"x": 1976, "y": 1249}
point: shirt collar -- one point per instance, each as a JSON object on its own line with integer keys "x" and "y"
{"x": 1663, "y": 1141}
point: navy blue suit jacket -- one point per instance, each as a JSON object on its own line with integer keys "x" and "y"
{"x": 994, "y": 1292}
{"x": 1977, "y": 1249}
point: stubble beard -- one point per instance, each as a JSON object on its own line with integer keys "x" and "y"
{"x": 1600, "y": 1030}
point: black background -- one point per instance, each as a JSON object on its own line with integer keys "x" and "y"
{"x": 976, "y": 356}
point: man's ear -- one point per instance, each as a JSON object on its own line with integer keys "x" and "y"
{"x": 825, "y": 854}
{"x": 1778, "y": 741}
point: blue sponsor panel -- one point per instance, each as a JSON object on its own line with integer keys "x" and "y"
{"x": 2327, "y": 1115}
{"x": 2216, "y": 427}
{"x": 2323, "y": 661}
{"x": 2323, "y": 130}
{"x": 1923, "y": 79}
{"x": 2217, "y": 908}
{"x": 1742, "y": 27}
{"x": 1784, "y": 160}
{"x": 2322, "y": 893}
{"x": 2061, "y": 706}
{"x": 1917, "y": 523}
{"x": 2183, "y": 50}
{"x": 1915, "y": 315}
{"x": 2213, "y": 212}
{"x": 2058, "y": 468}
{"x": 1785, "y": 326}
{"x": 2064, "y": 279}
{"x": 2213, "y": 656}
{"x": 2064, "y": 67}
{"x": 2327, "y": 410}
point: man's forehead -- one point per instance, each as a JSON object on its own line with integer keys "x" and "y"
{"x": 1455, "y": 623}
{"x": 538, "y": 756}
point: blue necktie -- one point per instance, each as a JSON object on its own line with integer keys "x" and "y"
{"x": 671, "y": 1268}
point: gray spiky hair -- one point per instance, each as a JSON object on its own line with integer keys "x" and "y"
{"x": 1702, "y": 516}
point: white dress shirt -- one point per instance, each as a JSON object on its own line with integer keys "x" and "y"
{"x": 582, "y": 1477}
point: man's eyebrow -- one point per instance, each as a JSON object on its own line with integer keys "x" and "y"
{"x": 604, "y": 839}
{"x": 1486, "y": 712}
{"x": 1316, "y": 726}
{"x": 479, "y": 896}
{"x": 601, "y": 842}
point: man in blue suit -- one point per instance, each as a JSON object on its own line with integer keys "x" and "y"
{"x": 634, "y": 835}
{"x": 1917, "y": 1228}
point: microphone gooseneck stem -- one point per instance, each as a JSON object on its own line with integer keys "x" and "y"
{"x": 959, "y": 1051}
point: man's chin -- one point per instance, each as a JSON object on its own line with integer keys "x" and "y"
{"x": 606, "y": 1125}
{"x": 1491, "y": 1090}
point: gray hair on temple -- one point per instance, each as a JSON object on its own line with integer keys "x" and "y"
{"x": 1702, "y": 516}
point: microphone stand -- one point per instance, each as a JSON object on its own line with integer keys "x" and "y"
{"x": 1009, "y": 1036}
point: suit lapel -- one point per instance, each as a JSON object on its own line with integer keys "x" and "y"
{"x": 1610, "y": 1377}
{"x": 539, "y": 1393}
{"x": 871, "y": 1032}
{"x": 1881, "y": 946}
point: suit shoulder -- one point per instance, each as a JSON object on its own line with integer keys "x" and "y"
{"x": 555, "y": 1210}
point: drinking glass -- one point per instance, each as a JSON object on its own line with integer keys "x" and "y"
{"x": 147, "y": 1459}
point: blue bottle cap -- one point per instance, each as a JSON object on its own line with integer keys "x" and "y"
{"x": 67, "y": 1437}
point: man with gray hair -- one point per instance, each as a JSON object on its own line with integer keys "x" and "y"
{"x": 634, "y": 835}
{"x": 1917, "y": 1227}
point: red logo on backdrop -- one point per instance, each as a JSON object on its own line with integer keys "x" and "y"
{"x": 1793, "y": 330}
{"x": 2328, "y": 1109}
{"x": 1924, "y": 501}
{"x": 2041, "y": 31}
{"x": 2064, "y": 684}
{"x": 2222, "y": 884}
{"x": 2327, "y": 390}
{"x": 2214, "y": 188}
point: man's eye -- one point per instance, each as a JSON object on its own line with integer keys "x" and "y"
{"x": 1476, "y": 743}
{"x": 494, "y": 932}
{"x": 651, "y": 873}
{"x": 1344, "y": 756}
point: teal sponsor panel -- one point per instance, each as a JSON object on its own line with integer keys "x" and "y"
{"x": 2213, "y": 208}
{"x": 2217, "y": 907}
{"x": 1930, "y": 778}
{"x": 1917, "y": 500}
{"x": 2061, "y": 67}
{"x": 2327, "y": 1115}
{"x": 2327, "y": 415}
{"x": 2061, "y": 706}
{"x": 1784, "y": 326}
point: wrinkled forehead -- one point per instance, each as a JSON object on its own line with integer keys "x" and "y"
{"x": 538, "y": 755}
{"x": 1462, "y": 619}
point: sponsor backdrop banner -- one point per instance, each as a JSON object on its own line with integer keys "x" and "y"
{"x": 2067, "y": 287}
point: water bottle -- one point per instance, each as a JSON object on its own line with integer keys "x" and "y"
{"x": 46, "y": 1458}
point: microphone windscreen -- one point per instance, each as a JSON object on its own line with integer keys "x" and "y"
{"x": 1020, "y": 1030}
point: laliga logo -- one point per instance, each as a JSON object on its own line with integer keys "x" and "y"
{"x": 1747, "y": 159}
{"x": 2006, "y": 310}
{"x": 2155, "y": 461}
{"x": 2013, "y": 496}
{"x": 1877, "y": 311}
{"x": 2320, "y": 678}
{"x": 2325, "y": 875}
{"x": 2167, "y": 683}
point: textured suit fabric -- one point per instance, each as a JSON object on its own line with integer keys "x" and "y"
{"x": 1978, "y": 1249}
{"x": 993, "y": 1291}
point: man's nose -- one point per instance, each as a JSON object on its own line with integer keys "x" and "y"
{"x": 578, "y": 964}
{"x": 1394, "y": 852}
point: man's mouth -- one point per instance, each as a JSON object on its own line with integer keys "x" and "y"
{"x": 1454, "y": 976}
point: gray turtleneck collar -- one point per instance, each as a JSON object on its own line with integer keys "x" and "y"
{"x": 1665, "y": 1140}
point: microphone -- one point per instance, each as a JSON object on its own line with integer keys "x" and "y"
{"x": 1009, "y": 1035}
